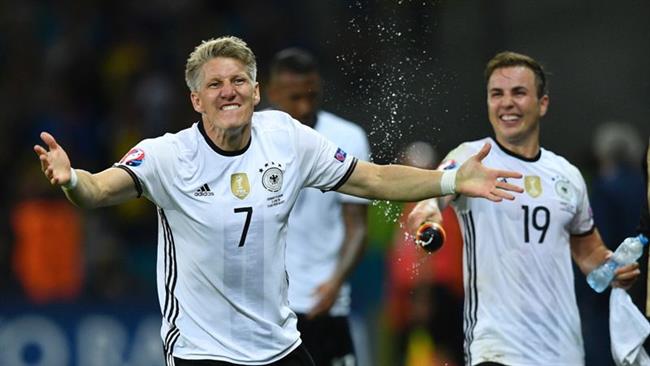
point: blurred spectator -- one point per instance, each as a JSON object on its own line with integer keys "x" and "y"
{"x": 615, "y": 192}
{"x": 425, "y": 291}
{"x": 619, "y": 182}
{"x": 47, "y": 253}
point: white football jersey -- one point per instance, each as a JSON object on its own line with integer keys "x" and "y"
{"x": 316, "y": 227}
{"x": 222, "y": 283}
{"x": 520, "y": 306}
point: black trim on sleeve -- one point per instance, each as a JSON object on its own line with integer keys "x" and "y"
{"x": 138, "y": 185}
{"x": 588, "y": 232}
{"x": 345, "y": 177}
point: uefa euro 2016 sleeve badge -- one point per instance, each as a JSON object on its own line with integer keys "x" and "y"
{"x": 133, "y": 158}
{"x": 272, "y": 176}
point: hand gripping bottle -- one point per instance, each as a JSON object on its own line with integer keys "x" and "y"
{"x": 627, "y": 252}
{"x": 430, "y": 236}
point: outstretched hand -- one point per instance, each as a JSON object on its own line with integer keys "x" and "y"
{"x": 476, "y": 180}
{"x": 55, "y": 163}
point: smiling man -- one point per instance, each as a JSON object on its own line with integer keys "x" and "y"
{"x": 224, "y": 188}
{"x": 520, "y": 304}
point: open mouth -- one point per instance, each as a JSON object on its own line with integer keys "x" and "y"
{"x": 230, "y": 107}
{"x": 510, "y": 118}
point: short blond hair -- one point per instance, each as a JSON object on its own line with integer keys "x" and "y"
{"x": 227, "y": 46}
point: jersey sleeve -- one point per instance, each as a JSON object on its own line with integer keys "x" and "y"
{"x": 325, "y": 165}
{"x": 583, "y": 221}
{"x": 457, "y": 157}
{"x": 144, "y": 164}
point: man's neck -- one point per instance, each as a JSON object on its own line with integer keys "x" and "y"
{"x": 527, "y": 148}
{"x": 228, "y": 139}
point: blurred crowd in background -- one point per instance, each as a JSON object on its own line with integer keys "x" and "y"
{"x": 102, "y": 75}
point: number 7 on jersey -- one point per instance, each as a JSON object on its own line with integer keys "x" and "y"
{"x": 249, "y": 213}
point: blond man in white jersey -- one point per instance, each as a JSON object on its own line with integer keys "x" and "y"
{"x": 224, "y": 188}
{"x": 520, "y": 307}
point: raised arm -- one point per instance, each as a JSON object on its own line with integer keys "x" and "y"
{"x": 109, "y": 187}
{"x": 402, "y": 183}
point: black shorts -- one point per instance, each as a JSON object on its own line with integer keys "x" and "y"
{"x": 297, "y": 357}
{"x": 328, "y": 340}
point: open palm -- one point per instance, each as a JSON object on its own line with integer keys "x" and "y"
{"x": 476, "y": 180}
{"x": 55, "y": 163}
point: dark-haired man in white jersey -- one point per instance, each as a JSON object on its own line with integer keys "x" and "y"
{"x": 224, "y": 188}
{"x": 520, "y": 306}
{"x": 327, "y": 232}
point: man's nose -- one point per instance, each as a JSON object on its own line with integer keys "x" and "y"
{"x": 227, "y": 90}
{"x": 507, "y": 101}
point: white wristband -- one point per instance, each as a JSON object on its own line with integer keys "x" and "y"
{"x": 448, "y": 182}
{"x": 72, "y": 182}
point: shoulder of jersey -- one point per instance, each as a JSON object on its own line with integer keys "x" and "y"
{"x": 173, "y": 144}
{"x": 271, "y": 118}
{"x": 556, "y": 159}
{"x": 472, "y": 147}
{"x": 339, "y": 122}
{"x": 478, "y": 144}
{"x": 348, "y": 135}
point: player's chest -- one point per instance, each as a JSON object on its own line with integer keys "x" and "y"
{"x": 545, "y": 209}
{"x": 265, "y": 182}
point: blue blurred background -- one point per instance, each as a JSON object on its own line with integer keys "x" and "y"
{"x": 78, "y": 287}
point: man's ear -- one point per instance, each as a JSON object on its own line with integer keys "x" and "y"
{"x": 196, "y": 102}
{"x": 256, "y": 95}
{"x": 543, "y": 105}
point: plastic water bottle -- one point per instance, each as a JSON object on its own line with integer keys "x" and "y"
{"x": 627, "y": 252}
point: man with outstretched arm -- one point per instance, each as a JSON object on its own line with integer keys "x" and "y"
{"x": 224, "y": 188}
{"x": 520, "y": 304}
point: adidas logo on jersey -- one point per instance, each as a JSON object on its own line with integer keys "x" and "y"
{"x": 204, "y": 191}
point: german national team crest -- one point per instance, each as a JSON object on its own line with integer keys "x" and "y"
{"x": 272, "y": 176}
{"x": 533, "y": 185}
{"x": 239, "y": 185}
{"x": 564, "y": 189}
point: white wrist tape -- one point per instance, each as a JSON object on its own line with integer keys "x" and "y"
{"x": 72, "y": 182}
{"x": 448, "y": 182}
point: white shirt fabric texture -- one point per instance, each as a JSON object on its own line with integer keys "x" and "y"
{"x": 628, "y": 330}
{"x": 222, "y": 283}
{"x": 520, "y": 305}
{"x": 316, "y": 227}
